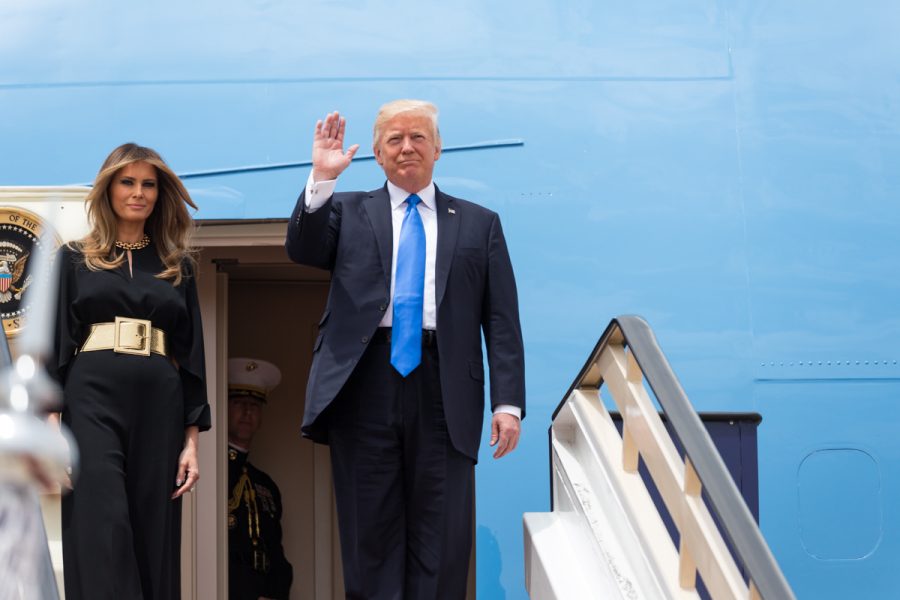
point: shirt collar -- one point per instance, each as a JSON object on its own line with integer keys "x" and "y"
{"x": 238, "y": 449}
{"x": 398, "y": 195}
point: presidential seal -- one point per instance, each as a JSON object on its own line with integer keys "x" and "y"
{"x": 21, "y": 233}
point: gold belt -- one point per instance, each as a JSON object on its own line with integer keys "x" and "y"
{"x": 128, "y": 336}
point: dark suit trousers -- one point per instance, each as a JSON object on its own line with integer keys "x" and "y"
{"x": 404, "y": 494}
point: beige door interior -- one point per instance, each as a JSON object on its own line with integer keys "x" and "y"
{"x": 266, "y": 307}
{"x": 273, "y": 315}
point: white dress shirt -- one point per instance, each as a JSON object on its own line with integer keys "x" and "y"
{"x": 318, "y": 193}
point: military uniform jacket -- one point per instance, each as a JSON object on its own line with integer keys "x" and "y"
{"x": 257, "y": 565}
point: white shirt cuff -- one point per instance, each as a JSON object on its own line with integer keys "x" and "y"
{"x": 509, "y": 409}
{"x": 318, "y": 192}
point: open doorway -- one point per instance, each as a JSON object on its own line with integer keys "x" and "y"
{"x": 258, "y": 304}
{"x": 273, "y": 311}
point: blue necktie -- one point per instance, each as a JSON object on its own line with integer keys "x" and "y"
{"x": 409, "y": 292}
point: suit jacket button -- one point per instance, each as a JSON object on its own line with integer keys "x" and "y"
{"x": 383, "y": 307}
{"x": 364, "y": 339}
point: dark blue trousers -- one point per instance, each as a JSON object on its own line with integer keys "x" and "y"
{"x": 404, "y": 493}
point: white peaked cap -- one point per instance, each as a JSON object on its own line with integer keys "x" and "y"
{"x": 252, "y": 377}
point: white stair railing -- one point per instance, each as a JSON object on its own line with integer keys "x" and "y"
{"x": 604, "y": 522}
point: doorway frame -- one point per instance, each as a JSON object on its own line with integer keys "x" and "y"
{"x": 205, "y": 573}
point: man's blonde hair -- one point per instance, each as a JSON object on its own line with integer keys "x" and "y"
{"x": 396, "y": 107}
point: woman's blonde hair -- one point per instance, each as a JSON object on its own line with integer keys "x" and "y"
{"x": 169, "y": 225}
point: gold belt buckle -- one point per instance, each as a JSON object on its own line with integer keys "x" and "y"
{"x": 132, "y": 336}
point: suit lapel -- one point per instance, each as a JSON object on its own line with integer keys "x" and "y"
{"x": 378, "y": 207}
{"x": 448, "y": 228}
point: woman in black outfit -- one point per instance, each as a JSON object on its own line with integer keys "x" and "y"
{"x": 129, "y": 354}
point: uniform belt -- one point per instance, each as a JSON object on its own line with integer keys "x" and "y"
{"x": 383, "y": 335}
{"x": 127, "y": 336}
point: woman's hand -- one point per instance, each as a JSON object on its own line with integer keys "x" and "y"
{"x": 188, "y": 465}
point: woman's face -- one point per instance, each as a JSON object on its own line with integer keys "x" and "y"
{"x": 133, "y": 192}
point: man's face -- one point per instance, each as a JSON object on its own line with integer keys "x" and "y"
{"x": 244, "y": 419}
{"x": 407, "y": 150}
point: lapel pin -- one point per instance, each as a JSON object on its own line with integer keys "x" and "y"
{"x": 451, "y": 211}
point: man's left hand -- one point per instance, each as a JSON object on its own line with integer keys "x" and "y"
{"x": 504, "y": 433}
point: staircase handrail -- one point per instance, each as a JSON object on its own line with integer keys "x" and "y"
{"x": 726, "y": 502}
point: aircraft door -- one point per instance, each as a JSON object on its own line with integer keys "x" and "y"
{"x": 273, "y": 312}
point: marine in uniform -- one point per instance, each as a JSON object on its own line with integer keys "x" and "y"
{"x": 257, "y": 565}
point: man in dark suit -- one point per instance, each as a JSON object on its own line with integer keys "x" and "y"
{"x": 396, "y": 386}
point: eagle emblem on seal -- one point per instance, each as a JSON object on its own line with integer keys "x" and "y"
{"x": 12, "y": 266}
{"x": 22, "y": 233}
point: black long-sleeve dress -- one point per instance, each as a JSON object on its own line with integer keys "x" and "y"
{"x": 121, "y": 531}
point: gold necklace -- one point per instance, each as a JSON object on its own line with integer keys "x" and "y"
{"x": 143, "y": 243}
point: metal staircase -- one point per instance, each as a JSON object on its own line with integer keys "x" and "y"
{"x": 605, "y": 538}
